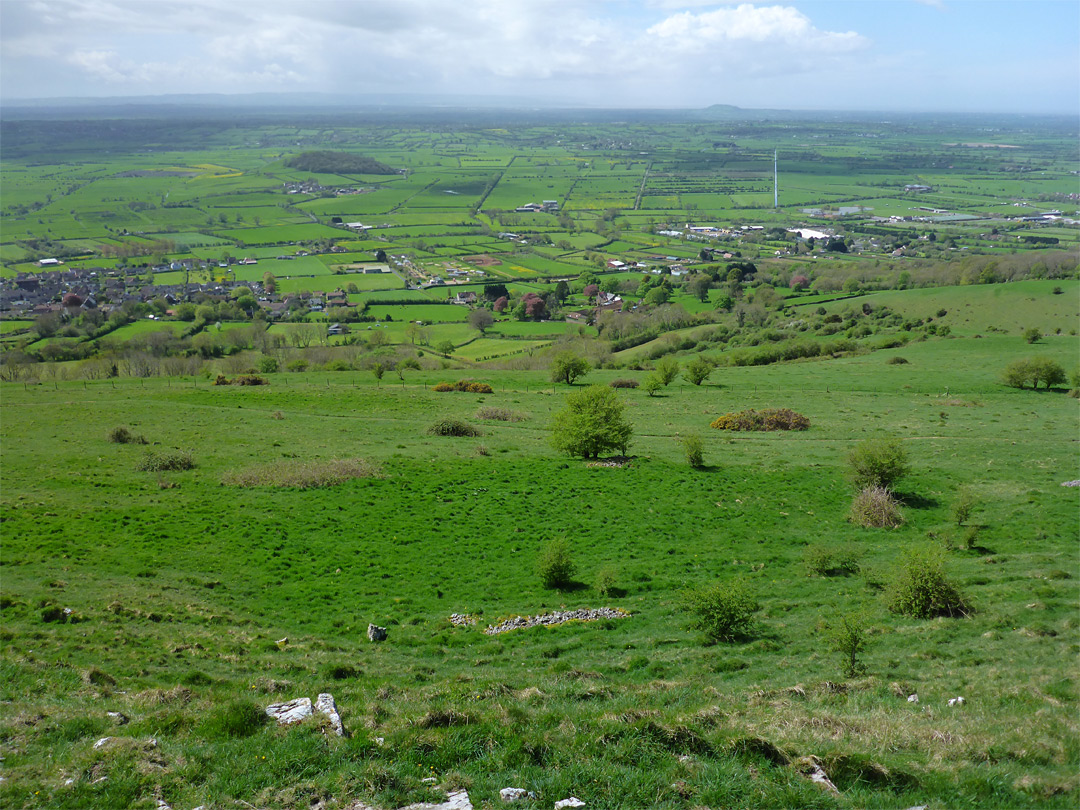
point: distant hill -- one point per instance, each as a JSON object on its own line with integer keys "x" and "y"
{"x": 338, "y": 163}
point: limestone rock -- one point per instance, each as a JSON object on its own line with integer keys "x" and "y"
{"x": 956, "y": 701}
{"x": 292, "y": 712}
{"x": 557, "y": 617}
{"x": 325, "y": 703}
{"x": 913, "y": 698}
{"x": 119, "y": 718}
{"x": 512, "y": 794}
{"x": 454, "y": 801}
{"x": 573, "y": 801}
{"x": 819, "y": 776}
{"x": 102, "y": 743}
{"x": 376, "y": 633}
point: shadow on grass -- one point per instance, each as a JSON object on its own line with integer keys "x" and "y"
{"x": 916, "y": 501}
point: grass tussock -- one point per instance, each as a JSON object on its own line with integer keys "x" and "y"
{"x": 493, "y": 414}
{"x": 297, "y": 474}
{"x": 121, "y": 435}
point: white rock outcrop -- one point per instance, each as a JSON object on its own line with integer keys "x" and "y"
{"x": 324, "y": 703}
{"x": 292, "y": 712}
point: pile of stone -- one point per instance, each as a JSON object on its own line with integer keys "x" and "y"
{"x": 557, "y": 617}
{"x": 462, "y": 619}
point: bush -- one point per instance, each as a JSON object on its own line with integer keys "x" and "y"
{"x": 963, "y": 506}
{"x": 896, "y": 360}
{"x": 468, "y": 386}
{"x": 166, "y": 460}
{"x": 667, "y": 370}
{"x": 453, "y": 427}
{"x": 876, "y": 508}
{"x": 303, "y": 474}
{"x": 605, "y": 582}
{"x": 623, "y": 383}
{"x": 697, "y": 370}
{"x": 694, "y": 449}
{"x": 249, "y": 379}
{"x": 268, "y": 365}
{"x": 121, "y": 435}
{"x": 1032, "y": 335}
{"x": 591, "y": 423}
{"x": 653, "y": 384}
{"x": 848, "y": 637}
{"x": 829, "y": 561}
{"x": 766, "y": 419}
{"x": 724, "y": 612}
{"x": 920, "y": 589}
{"x": 555, "y": 564}
{"x": 494, "y": 414}
{"x": 1034, "y": 370}
{"x": 877, "y": 463}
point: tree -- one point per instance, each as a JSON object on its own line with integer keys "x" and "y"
{"x": 480, "y": 320}
{"x": 380, "y": 256}
{"x": 407, "y": 363}
{"x": 555, "y": 565}
{"x": 567, "y": 367}
{"x": 270, "y": 282}
{"x": 1034, "y": 370}
{"x": 697, "y": 370}
{"x": 652, "y": 384}
{"x": 562, "y": 290}
{"x": 877, "y": 463}
{"x": 378, "y": 370}
{"x": 1032, "y": 335}
{"x": 591, "y": 423}
{"x": 667, "y": 369}
{"x": 698, "y": 286}
{"x": 445, "y": 347}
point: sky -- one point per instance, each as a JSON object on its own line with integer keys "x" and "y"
{"x": 1020, "y": 56}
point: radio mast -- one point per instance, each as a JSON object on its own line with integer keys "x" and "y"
{"x": 775, "y": 187}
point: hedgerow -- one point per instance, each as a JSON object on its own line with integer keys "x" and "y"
{"x": 468, "y": 386}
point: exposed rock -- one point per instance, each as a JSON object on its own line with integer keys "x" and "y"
{"x": 163, "y": 805}
{"x": 573, "y": 801}
{"x": 913, "y": 698}
{"x": 512, "y": 794}
{"x": 119, "y": 718}
{"x": 956, "y": 701}
{"x": 292, "y": 712}
{"x": 462, "y": 619}
{"x": 454, "y": 801}
{"x": 557, "y": 617}
{"x": 1071, "y": 483}
{"x": 325, "y": 703}
{"x": 819, "y": 776}
{"x": 102, "y": 743}
{"x": 281, "y": 642}
{"x": 376, "y": 633}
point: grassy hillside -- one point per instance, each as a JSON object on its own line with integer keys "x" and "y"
{"x": 182, "y": 587}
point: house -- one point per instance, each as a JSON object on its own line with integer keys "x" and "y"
{"x": 49, "y": 262}
{"x": 337, "y": 329}
{"x": 465, "y": 298}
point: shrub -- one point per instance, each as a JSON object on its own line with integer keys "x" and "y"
{"x": 896, "y": 360}
{"x": 121, "y": 435}
{"x": 697, "y": 370}
{"x": 724, "y": 612}
{"x": 249, "y": 379}
{"x": 468, "y": 386}
{"x": 297, "y": 365}
{"x": 555, "y": 564}
{"x": 604, "y": 585}
{"x": 591, "y": 423}
{"x": 653, "y": 384}
{"x": 268, "y": 365}
{"x": 848, "y": 637}
{"x": 694, "y": 448}
{"x": 494, "y": 414}
{"x": 1032, "y": 335}
{"x": 877, "y": 463}
{"x": 452, "y": 427}
{"x": 667, "y": 369}
{"x": 876, "y": 508}
{"x": 920, "y": 589}
{"x": 166, "y": 460}
{"x": 766, "y": 419}
{"x": 963, "y": 506}
{"x": 303, "y": 474}
{"x": 829, "y": 561}
{"x": 221, "y": 379}
{"x": 623, "y": 383}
